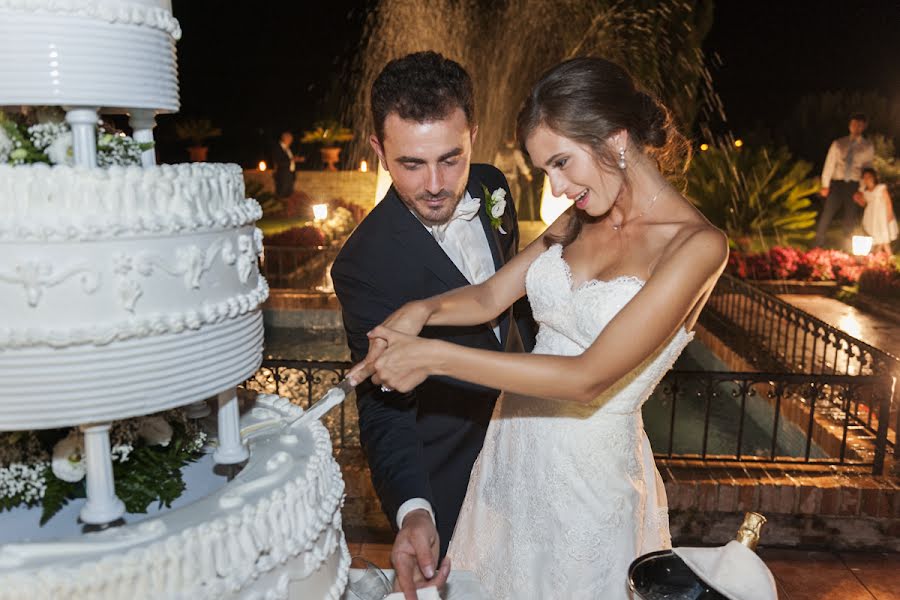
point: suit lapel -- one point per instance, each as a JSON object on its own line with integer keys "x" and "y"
{"x": 476, "y": 190}
{"x": 410, "y": 232}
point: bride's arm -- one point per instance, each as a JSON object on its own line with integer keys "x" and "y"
{"x": 637, "y": 331}
{"x": 475, "y": 304}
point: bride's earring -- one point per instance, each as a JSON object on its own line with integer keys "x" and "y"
{"x": 622, "y": 158}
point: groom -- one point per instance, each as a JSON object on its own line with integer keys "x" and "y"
{"x": 430, "y": 233}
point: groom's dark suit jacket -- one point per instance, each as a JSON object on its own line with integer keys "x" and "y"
{"x": 423, "y": 444}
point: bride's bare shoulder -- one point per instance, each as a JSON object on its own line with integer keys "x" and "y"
{"x": 698, "y": 242}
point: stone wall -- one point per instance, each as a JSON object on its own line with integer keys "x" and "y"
{"x": 321, "y": 186}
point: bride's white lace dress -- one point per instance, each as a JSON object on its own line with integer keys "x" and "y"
{"x": 563, "y": 497}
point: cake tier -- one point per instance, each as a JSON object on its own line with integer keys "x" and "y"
{"x": 118, "y": 283}
{"x": 56, "y": 387}
{"x": 112, "y": 54}
{"x": 59, "y": 203}
{"x": 272, "y": 532}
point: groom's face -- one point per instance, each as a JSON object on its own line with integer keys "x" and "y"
{"x": 429, "y": 162}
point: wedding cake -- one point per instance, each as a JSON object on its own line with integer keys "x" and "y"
{"x": 127, "y": 290}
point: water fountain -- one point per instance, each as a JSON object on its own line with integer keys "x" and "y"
{"x": 658, "y": 41}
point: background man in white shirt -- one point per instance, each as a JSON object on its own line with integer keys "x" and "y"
{"x": 846, "y": 159}
{"x": 431, "y": 233}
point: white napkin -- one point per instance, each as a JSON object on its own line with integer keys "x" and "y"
{"x": 733, "y": 570}
{"x": 429, "y": 593}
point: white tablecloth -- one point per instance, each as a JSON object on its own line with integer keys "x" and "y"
{"x": 462, "y": 585}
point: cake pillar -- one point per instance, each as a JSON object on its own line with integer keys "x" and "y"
{"x": 102, "y": 505}
{"x": 231, "y": 450}
{"x": 84, "y": 135}
{"x": 143, "y": 122}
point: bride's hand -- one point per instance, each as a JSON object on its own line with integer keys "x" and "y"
{"x": 409, "y": 318}
{"x": 406, "y": 361}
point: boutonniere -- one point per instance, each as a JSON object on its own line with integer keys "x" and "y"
{"x": 495, "y": 202}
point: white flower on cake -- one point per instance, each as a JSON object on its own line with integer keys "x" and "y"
{"x": 60, "y": 150}
{"x": 68, "y": 458}
{"x": 156, "y": 431}
{"x": 6, "y": 146}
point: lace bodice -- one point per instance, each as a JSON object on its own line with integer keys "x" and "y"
{"x": 570, "y": 319}
{"x": 564, "y": 496}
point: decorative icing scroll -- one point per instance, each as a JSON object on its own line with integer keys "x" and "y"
{"x": 137, "y": 327}
{"x": 34, "y": 276}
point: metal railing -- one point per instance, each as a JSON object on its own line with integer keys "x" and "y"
{"x": 820, "y": 418}
{"x": 796, "y": 340}
{"x": 784, "y": 418}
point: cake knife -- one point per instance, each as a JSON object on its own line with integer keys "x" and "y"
{"x": 332, "y": 398}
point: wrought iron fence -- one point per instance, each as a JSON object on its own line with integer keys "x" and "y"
{"x": 789, "y": 418}
{"x": 798, "y": 341}
{"x": 762, "y": 417}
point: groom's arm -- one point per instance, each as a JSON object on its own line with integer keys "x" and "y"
{"x": 387, "y": 421}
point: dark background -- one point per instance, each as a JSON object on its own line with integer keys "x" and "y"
{"x": 256, "y": 68}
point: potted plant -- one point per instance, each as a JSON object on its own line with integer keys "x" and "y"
{"x": 329, "y": 135}
{"x": 197, "y": 131}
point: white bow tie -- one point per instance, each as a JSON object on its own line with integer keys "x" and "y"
{"x": 465, "y": 210}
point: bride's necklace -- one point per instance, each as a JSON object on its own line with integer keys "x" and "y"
{"x": 617, "y": 227}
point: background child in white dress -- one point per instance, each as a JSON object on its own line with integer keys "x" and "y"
{"x": 878, "y": 219}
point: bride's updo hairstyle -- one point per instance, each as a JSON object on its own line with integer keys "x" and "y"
{"x": 588, "y": 100}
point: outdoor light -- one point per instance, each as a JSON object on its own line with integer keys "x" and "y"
{"x": 552, "y": 206}
{"x": 704, "y": 147}
{"x": 738, "y": 143}
{"x": 363, "y": 166}
{"x": 862, "y": 245}
{"x": 320, "y": 212}
{"x": 262, "y": 165}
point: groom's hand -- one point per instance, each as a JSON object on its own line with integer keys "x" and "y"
{"x": 366, "y": 367}
{"x": 415, "y": 555}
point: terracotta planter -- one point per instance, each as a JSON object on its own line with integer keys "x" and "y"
{"x": 330, "y": 156}
{"x": 198, "y": 153}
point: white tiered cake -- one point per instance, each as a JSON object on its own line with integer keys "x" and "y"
{"x": 130, "y": 290}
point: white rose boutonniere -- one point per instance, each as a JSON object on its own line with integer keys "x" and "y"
{"x": 496, "y": 205}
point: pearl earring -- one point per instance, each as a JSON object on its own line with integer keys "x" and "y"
{"x": 622, "y": 158}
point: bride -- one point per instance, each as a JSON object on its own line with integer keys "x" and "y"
{"x": 565, "y": 493}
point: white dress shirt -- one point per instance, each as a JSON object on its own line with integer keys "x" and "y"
{"x": 861, "y": 153}
{"x": 464, "y": 241}
{"x": 290, "y": 155}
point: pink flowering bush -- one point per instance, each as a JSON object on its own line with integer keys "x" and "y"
{"x": 787, "y": 263}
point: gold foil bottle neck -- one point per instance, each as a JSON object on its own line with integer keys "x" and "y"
{"x": 748, "y": 534}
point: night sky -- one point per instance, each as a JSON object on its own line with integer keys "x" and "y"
{"x": 257, "y": 68}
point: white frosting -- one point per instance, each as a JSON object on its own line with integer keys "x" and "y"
{"x": 57, "y": 203}
{"x": 156, "y": 14}
{"x": 172, "y": 248}
{"x": 114, "y": 55}
{"x": 275, "y": 528}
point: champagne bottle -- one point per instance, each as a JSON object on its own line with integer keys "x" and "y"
{"x": 748, "y": 534}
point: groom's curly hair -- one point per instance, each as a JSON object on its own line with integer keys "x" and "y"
{"x": 421, "y": 87}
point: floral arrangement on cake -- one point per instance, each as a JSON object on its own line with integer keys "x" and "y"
{"x": 51, "y": 142}
{"x": 46, "y": 468}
